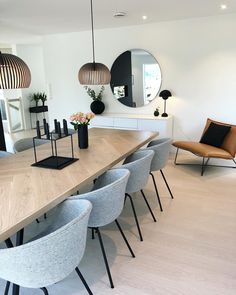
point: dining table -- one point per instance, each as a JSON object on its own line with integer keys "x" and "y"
{"x": 28, "y": 192}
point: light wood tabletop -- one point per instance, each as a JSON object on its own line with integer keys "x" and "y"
{"x": 27, "y": 192}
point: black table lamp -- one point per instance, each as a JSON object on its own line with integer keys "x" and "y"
{"x": 165, "y": 94}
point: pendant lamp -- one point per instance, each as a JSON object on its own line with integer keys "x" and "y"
{"x": 14, "y": 72}
{"x": 94, "y": 73}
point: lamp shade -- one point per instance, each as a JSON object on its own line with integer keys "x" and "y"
{"x": 94, "y": 74}
{"x": 165, "y": 94}
{"x": 14, "y": 72}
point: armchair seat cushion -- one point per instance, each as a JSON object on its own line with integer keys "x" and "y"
{"x": 203, "y": 150}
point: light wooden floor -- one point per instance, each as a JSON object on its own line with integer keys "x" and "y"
{"x": 190, "y": 250}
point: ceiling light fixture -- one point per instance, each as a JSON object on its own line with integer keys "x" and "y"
{"x": 119, "y": 14}
{"x": 144, "y": 17}
{"x": 14, "y": 72}
{"x": 94, "y": 73}
{"x": 223, "y": 6}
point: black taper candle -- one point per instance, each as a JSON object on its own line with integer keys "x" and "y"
{"x": 47, "y": 131}
{"x": 55, "y": 125}
{"x": 65, "y": 128}
{"x": 38, "y": 129}
{"x": 45, "y": 126}
{"x": 59, "y": 129}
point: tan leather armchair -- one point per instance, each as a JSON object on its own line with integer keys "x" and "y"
{"x": 227, "y": 151}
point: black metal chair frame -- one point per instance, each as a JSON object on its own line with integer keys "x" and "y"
{"x": 135, "y": 215}
{"x": 16, "y": 288}
{"x": 97, "y": 231}
{"x": 204, "y": 163}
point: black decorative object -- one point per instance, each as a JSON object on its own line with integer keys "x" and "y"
{"x": 165, "y": 94}
{"x": 54, "y": 161}
{"x": 156, "y": 112}
{"x": 65, "y": 127}
{"x": 83, "y": 136}
{"x": 38, "y": 130}
{"x": 55, "y": 126}
{"x": 97, "y": 107}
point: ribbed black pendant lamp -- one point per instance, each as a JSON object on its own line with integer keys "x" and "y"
{"x": 14, "y": 73}
{"x": 94, "y": 73}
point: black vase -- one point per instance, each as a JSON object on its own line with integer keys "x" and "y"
{"x": 83, "y": 136}
{"x": 156, "y": 113}
{"x": 97, "y": 107}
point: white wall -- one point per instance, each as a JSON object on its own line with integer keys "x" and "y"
{"x": 32, "y": 54}
{"x": 197, "y": 57}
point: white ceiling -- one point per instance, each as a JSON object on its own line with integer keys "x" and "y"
{"x": 26, "y": 19}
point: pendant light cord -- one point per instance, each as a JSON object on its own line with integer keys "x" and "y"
{"x": 91, "y": 2}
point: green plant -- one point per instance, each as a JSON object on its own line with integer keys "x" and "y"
{"x": 43, "y": 97}
{"x": 93, "y": 94}
{"x": 38, "y": 96}
{"x": 35, "y": 97}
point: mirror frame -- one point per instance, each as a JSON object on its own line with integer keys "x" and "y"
{"x": 122, "y": 86}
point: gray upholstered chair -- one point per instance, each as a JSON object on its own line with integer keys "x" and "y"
{"x": 139, "y": 166}
{"x": 107, "y": 198}
{"x": 161, "y": 147}
{"x": 54, "y": 254}
{"x": 26, "y": 143}
{"x": 4, "y": 154}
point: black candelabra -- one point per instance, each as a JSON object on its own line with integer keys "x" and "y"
{"x": 54, "y": 161}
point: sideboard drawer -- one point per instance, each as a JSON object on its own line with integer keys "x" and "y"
{"x": 164, "y": 127}
{"x": 125, "y": 123}
{"x": 102, "y": 121}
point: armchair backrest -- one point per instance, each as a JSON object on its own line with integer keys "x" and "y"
{"x": 138, "y": 164}
{"x": 229, "y": 143}
{"x": 49, "y": 259}
{"x": 161, "y": 147}
{"x": 107, "y": 197}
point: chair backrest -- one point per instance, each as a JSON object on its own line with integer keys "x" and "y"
{"x": 229, "y": 143}
{"x": 139, "y": 166}
{"x": 161, "y": 148}
{"x": 50, "y": 259}
{"x": 4, "y": 154}
{"x": 26, "y": 143}
{"x": 107, "y": 197}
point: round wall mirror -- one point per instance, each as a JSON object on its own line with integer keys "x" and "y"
{"x": 135, "y": 78}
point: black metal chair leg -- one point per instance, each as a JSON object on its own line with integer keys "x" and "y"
{"x": 37, "y": 220}
{"x": 176, "y": 155}
{"x": 83, "y": 281}
{"x": 158, "y": 197}
{"x": 105, "y": 258}
{"x": 45, "y": 215}
{"x": 203, "y": 166}
{"x": 146, "y": 201}
{"x": 93, "y": 236}
{"x": 167, "y": 184}
{"x": 45, "y": 291}
{"x": 7, "y": 288}
{"x": 124, "y": 237}
{"x": 135, "y": 216}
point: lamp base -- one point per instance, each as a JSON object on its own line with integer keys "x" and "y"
{"x": 164, "y": 115}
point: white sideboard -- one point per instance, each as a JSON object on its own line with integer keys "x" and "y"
{"x": 135, "y": 122}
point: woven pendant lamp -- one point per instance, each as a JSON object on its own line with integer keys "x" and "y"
{"x": 94, "y": 73}
{"x": 14, "y": 72}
